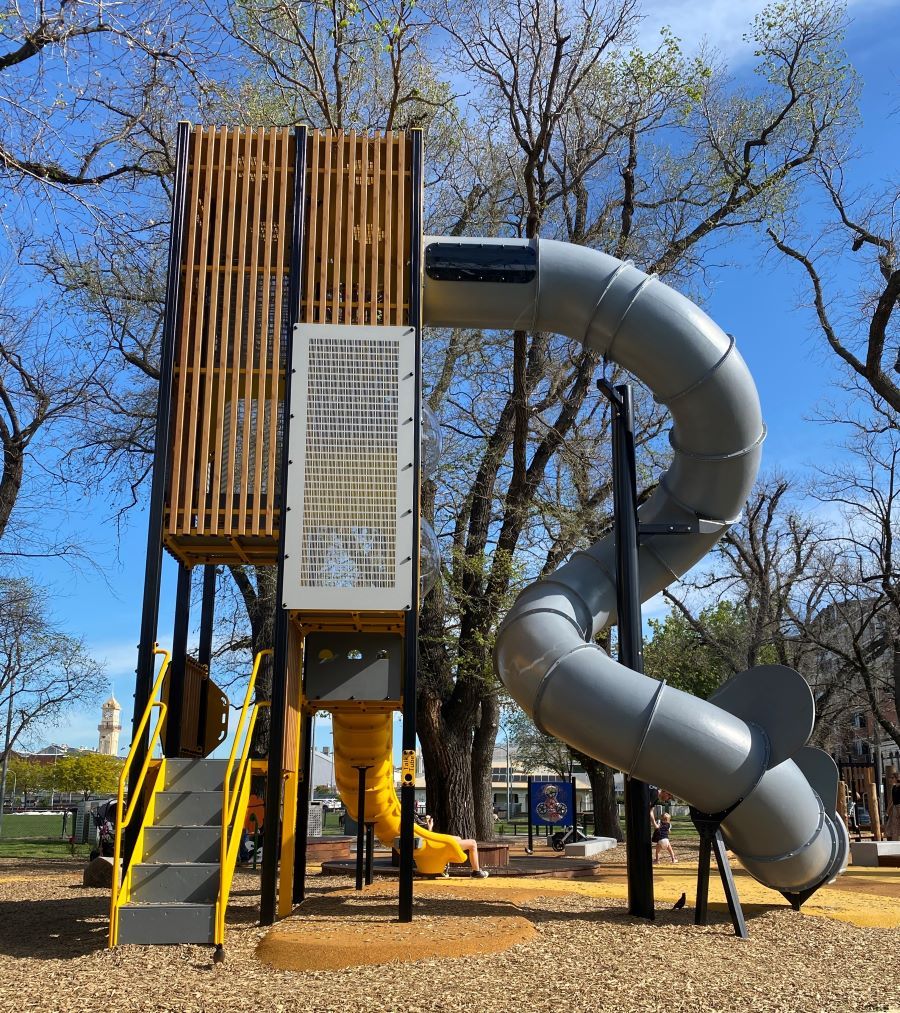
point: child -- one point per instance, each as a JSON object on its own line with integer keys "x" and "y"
{"x": 661, "y": 832}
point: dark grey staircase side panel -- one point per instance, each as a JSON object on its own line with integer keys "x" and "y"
{"x": 167, "y": 924}
{"x": 195, "y": 775}
{"x": 188, "y": 809}
{"x": 181, "y": 844}
{"x": 196, "y": 883}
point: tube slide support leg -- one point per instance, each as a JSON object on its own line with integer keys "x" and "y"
{"x": 711, "y": 842}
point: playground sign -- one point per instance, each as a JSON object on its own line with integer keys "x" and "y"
{"x": 551, "y": 803}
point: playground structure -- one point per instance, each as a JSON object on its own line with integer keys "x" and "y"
{"x": 289, "y": 434}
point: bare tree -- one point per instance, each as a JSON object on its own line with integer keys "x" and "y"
{"x": 43, "y": 672}
{"x": 857, "y": 319}
{"x": 858, "y": 627}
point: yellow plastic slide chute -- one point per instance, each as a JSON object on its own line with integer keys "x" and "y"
{"x": 364, "y": 739}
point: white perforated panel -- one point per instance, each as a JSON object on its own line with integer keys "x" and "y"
{"x": 349, "y": 526}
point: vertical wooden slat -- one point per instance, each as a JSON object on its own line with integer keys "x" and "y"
{"x": 325, "y": 221}
{"x": 179, "y": 436}
{"x": 350, "y": 215}
{"x": 207, "y": 401}
{"x": 338, "y": 225}
{"x": 402, "y": 191}
{"x": 375, "y": 280}
{"x": 229, "y": 214}
{"x": 362, "y": 247}
{"x": 250, "y": 332}
{"x": 284, "y": 175}
{"x": 312, "y": 220}
{"x": 192, "y": 465}
{"x": 264, "y": 332}
{"x": 240, "y": 335}
{"x": 386, "y": 277}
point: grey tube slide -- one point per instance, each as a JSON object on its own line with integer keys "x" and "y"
{"x": 743, "y": 752}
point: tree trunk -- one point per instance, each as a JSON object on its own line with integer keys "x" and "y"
{"x": 482, "y": 766}
{"x": 603, "y": 788}
{"x": 447, "y": 752}
{"x": 11, "y": 480}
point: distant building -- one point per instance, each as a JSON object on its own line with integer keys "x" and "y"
{"x": 109, "y": 728}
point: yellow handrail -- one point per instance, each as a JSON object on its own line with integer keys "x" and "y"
{"x": 124, "y": 818}
{"x": 231, "y": 797}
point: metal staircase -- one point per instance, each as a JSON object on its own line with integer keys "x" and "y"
{"x": 175, "y": 886}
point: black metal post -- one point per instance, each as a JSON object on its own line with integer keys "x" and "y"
{"x": 530, "y": 827}
{"x": 631, "y": 654}
{"x": 411, "y": 627}
{"x": 278, "y": 707}
{"x": 207, "y": 616}
{"x": 302, "y": 822}
{"x": 370, "y": 851}
{"x": 153, "y": 566}
{"x": 204, "y": 651}
{"x": 360, "y": 826}
{"x": 179, "y": 658}
{"x": 574, "y": 812}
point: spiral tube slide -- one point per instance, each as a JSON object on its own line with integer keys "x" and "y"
{"x": 742, "y": 753}
{"x": 364, "y": 739}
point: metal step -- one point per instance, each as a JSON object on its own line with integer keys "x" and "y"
{"x": 167, "y": 924}
{"x": 165, "y": 845}
{"x": 195, "y": 775}
{"x": 194, "y": 883}
{"x": 188, "y": 809}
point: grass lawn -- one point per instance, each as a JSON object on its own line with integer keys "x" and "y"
{"x": 29, "y": 835}
{"x": 19, "y": 825}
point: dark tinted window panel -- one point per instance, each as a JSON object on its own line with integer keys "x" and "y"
{"x": 510, "y": 264}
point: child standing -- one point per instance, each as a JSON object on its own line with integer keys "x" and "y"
{"x": 661, "y": 831}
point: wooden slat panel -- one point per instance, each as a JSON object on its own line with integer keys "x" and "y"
{"x": 229, "y": 365}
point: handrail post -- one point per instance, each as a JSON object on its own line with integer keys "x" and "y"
{"x": 123, "y": 814}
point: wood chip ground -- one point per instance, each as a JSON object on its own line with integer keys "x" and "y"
{"x": 557, "y": 945}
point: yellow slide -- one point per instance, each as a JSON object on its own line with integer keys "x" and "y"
{"x": 364, "y": 739}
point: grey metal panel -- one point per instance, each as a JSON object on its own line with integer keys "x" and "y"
{"x": 181, "y": 844}
{"x": 195, "y": 775}
{"x": 712, "y": 758}
{"x": 167, "y": 924}
{"x": 353, "y": 666}
{"x": 350, "y": 478}
{"x": 194, "y": 882}
{"x": 188, "y": 809}
{"x": 776, "y": 698}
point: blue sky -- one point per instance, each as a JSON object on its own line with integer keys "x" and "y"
{"x": 758, "y": 301}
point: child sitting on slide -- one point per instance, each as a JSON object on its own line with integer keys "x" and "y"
{"x": 660, "y": 838}
{"x": 469, "y": 846}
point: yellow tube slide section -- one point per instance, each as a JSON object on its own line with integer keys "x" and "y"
{"x": 364, "y": 739}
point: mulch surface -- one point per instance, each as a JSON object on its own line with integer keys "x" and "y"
{"x": 557, "y": 946}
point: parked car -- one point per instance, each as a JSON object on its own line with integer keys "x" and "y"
{"x": 863, "y": 819}
{"x": 332, "y": 804}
